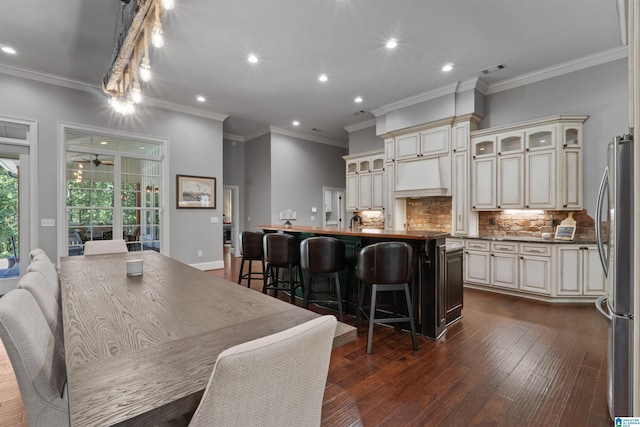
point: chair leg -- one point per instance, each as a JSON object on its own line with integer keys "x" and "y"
{"x": 249, "y": 274}
{"x": 307, "y": 290}
{"x": 338, "y": 295}
{"x": 241, "y": 268}
{"x": 265, "y": 279}
{"x": 372, "y": 313}
{"x": 414, "y": 338}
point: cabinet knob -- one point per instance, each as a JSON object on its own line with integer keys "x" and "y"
{"x": 521, "y": 257}
{"x": 499, "y": 153}
{"x": 499, "y": 207}
{"x": 474, "y": 157}
{"x": 564, "y": 205}
{"x": 454, "y": 150}
{"x": 493, "y": 254}
{"x": 473, "y": 207}
{"x": 527, "y": 206}
{"x": 527, "y": 149}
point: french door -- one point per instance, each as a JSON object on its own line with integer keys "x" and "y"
{"x": 113, "y": 190}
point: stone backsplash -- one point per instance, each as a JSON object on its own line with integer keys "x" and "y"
{"x": 371, "y": 219}
{"x": 429, "y": 213}
{"x": 532, "y": 223}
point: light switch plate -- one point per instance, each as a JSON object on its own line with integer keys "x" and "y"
{"x": 47, "y": 222}
{"x": 314, "y": 209}
{"x": 214, "y": 219}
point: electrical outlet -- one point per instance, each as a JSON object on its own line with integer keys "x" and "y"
{"x": 199, "y": 253}
{"x": 313, "y": 218}
{"x": 492, "y": 221}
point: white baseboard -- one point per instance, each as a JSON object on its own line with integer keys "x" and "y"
{"x": 213, "y": 265}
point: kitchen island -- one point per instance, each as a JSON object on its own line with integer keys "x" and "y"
{"x": 437, "y": 301}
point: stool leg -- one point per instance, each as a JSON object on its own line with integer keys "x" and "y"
{"x": 249, "y": 274}
{"x": 372, "y": 313}
{"x": 241, "y": 267}
{"x": 307, "y": 290}
{"x": 336, "y": 277}
{"x": 292, "y": 285}
{"x": 414, "y": 338}
{"x": 360, "y": 302}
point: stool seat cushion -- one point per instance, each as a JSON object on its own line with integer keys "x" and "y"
{"x": 322, "y": 255}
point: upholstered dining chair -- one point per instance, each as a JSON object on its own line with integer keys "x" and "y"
{"x": 277, "y": 380}
{"x": 36, "y": 284}
{"x": 98, "y": 247}
{"x": 37, "y": 252}
{"x": 46, "y": 269}
{"x": 38, "y": 365}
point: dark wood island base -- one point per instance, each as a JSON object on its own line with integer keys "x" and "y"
{"x": 435, "y": 292}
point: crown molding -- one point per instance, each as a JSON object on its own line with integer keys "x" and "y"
{"x": 416, "y": 99}
{"x": 233, "y": 137}
{"x": 304, "y": 136}
{"x": 92, "y": 88}
{"x": 578, "y": 64}
{"x": 359, "y": 126}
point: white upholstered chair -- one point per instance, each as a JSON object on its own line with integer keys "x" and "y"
{"x": 39, "y": 367}
{"x": 277, "y": 380}
{"x": 97, "y": 247}
{"x": 37, "y": 252}
{"x": 36, "y": 284}
{"x": 46, "y": 269}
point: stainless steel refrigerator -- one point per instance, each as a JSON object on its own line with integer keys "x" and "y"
{"x": 614, "y": 213}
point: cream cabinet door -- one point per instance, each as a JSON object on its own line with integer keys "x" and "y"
{"x": 504, "y": 270}
{"x": 364, "y": 191}
{"x": 540, "y": 180}
{"x": 477, "y": 267}
{"x": 377, "y": 190}
{"x": 594, "y": 281}
{"x": 569, "y": 270}
{"x": 483, "y": 182}
{"x": 511, "y": 181}
{"x": 352, "y": 193}
{"x": 535, "y": 274}
{"x": 435, "y": 141}
{"x": 571, "y": 179}
{"x": 460, "y": 202}
{"x": 408, "y": 146}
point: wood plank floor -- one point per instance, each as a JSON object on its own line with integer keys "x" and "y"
{"x": 509, "y": 362}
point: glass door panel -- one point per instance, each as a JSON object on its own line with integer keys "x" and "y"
{"x": 9, "y": 217}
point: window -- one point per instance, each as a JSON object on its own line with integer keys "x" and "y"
{"x": 114, "y": 190}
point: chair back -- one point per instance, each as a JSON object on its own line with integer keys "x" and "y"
{"x": 38, "y": 366}
{"x": 281, "y": 249}
{"x": 384, "y": 263}
{"x": 37, "y": 286}
{"x": 98, "y": 247}
{"x": 277, "y": 380}
{"x": 46, "y": 269}
{"x": 35, "y": 252}
{"x": 322, "y": 254}
{"x": 251, "y": 244}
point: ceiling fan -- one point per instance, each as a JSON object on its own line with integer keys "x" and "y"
{"x": 96, "y": 161}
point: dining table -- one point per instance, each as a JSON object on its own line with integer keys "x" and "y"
{"x": 140, "y": 350}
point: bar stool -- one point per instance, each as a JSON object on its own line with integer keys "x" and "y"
{"x": 282, "y": 251}
{"x": 385, "y": 266}
{"x": 322, "y": 257}
{"x": 251, "y": 250}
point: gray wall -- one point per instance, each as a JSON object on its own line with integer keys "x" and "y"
{"x": 300, "y": 169}
{"x": 257, "y": 190}
{"x": 600, "y": 92}
{"x": 365, "y": 140}
{"x": 194, "y": 147}
{"x": 234, "y": 173}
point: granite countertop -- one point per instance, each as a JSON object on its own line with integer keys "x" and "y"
{"x": 576, "y": 241}
{"x": 363, "y": 232}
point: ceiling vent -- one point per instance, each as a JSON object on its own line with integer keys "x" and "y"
{"x": 493, "y": 69}
{"x": 357, "y": 113}
{"x": 316, "y": 130}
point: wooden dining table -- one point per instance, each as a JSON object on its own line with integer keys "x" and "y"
{"x": 140, "y": 350}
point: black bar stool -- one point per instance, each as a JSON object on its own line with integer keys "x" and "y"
{"x": 385, "y": 266}
{"x": 251, "y": 250}
{"x": 282, "y": 251}
{"x": 322, "y": 257}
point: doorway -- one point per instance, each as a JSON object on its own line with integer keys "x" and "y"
{"x": 231, "y": 218}
{"x": 334, "y": 207}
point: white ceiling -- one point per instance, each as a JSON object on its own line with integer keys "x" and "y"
{"x": 207, "y": 42}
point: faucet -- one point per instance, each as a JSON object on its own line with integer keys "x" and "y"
{"x": 356, "y": 218}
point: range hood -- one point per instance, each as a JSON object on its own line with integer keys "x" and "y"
{"x": 420, "y": 178}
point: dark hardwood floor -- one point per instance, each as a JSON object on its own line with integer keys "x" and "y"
{"x": 508, "y": 362}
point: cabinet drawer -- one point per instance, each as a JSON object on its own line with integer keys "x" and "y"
{"x": 478, "y": 245}
{"x": 538, "y": 250}
{"x": 505, "y": 247}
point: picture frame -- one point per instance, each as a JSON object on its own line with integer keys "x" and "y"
{"x": 565, "y": 232}
{"x": 195, "y": 192}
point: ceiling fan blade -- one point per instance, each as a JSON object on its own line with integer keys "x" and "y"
{"x": 107, "y": 162}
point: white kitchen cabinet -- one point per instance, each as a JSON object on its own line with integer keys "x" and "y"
{"x": 429, "y": 142}
{"x": 460, "y": 200}
{"x": 389, "y": 150}
{"x": 477, "y": 262}
{"x": 539, "y": 165}
{"x": 328, "y": 201}
{"x": 365, "y": 185}
{"x": 504, "y": 270}
{"x": 579, "y": 271}
{"x": 460, "y": 137}
{"x": 535, "y": 268}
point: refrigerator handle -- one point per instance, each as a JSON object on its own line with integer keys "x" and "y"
{"x": 604, "y": 185}
{"x": 599, "y": 303}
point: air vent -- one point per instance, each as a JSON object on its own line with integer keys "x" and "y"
{"x": 357, "y": 113}
{"x": 316, "y": 130}
{"x": 493, "y": 69}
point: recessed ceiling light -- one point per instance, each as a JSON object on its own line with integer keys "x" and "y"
{"x": 358, "y": 99}
{"x": 9, "y": 50}
{"x": 323, "y": 78}
{"x": 447, "y": 67}
{"x": 252, "y": 58}
{"x": 392, "y": 44}
{"x": 103, "y": 142}
{"x": 295, "y": 123}
{"x": 200, "y": 98}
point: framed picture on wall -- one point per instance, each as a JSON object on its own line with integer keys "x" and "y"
{"x": 195, "y": 192}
